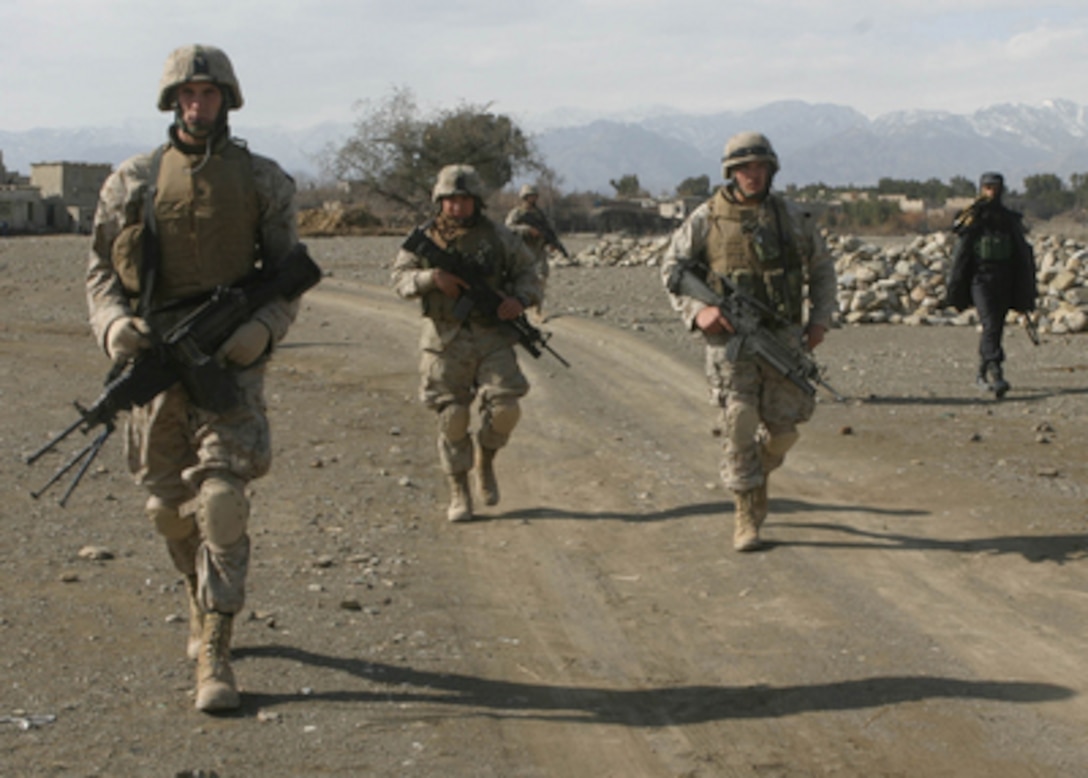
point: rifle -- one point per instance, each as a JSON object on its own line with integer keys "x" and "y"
{"x": 1031, "y": 327}
{"x": 186, "y": 354}
{"x": 752, "y": 323}
{"x": 479, "y": 296}
{"x": 533, "y": 218}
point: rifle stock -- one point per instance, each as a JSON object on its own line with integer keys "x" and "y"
{"x": 186, "y": 354}
{"x": 479, "y": 296}
{"x": 752, "y": 321}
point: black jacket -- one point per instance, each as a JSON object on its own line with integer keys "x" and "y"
{"x": 985, "y": 216}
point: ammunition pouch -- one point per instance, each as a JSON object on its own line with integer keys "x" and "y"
{"x": 994, "y": 247}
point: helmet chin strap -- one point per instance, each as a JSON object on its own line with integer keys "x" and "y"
{"x": 207, "y": 137}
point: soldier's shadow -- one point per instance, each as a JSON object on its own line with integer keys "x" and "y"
{"x": 678, "y": 512}
{"x": 640, "y": 707}
{"x": 1016, "y": 396}
{"x": 1033, "y": 548}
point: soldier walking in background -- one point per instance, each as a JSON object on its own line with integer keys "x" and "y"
{"x": 468, "y": 353}
{"x": 530, "y": 222}
{"x": 197, "y": 213}
{"x": 993, "y": 268}
{"x": 767, "y": 248}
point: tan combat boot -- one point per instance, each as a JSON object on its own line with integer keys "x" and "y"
{"x": 196, "y": 620}
{"x": 215, "y": 686}
{"x": 485, "y": 474}
{"x": 747, "y": 520}
{"x": 460, "y": 498}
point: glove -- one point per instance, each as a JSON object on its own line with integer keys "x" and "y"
{"x": 126, "y": 337}
{"x": 248, "y": 344}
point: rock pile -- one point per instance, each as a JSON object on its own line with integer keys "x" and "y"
{"x": 618, "y": 251}
{"x": 903, "y": 283}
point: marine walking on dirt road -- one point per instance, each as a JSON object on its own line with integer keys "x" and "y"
{"x": 531, "y": 223}
{"x": 488, "y": 280}
{"x": 199, "y": 213}
{"x": 748, "y": 238}
{"x": 993, "y": 269}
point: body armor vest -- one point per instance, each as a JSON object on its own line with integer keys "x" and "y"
{"x": 207, "y": 225}
{"x": 754, "y": 247}
{"x": 207, "y": 222}
{"x": 481, "y": 246}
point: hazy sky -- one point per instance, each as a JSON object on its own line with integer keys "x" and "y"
{"x": 68, "y": 63}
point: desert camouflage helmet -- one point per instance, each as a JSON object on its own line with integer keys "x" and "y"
{"x": 198, "y": 63}
{"x": 528, "y": 190}
{"x": 747, "y": 147}
{"x": 458, "y": 180}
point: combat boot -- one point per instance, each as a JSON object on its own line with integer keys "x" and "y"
{"x": 997, "y": 383}
{"x": 485, "y": 475}
{"x": 215, "y": 686}
{"x": 460, "y": 498}
{"x": 748, "y": 518}
{"x": 196, "y": 620}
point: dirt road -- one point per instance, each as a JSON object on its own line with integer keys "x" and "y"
{"x": 921, "y": 610}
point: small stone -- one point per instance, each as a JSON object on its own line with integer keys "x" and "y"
{"x": 95, "y": 553}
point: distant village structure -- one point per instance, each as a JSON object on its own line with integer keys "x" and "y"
{"x": 56, "y": 197}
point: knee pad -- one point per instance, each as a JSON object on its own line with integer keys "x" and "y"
{"x": 168, "y": 520}
{"x": 453, "y": 421}
{"x": 223, "y": 511}
{"x": 777, "y": 444}
{"x": 741, "y": 423}
{"x": 503, "y": 415}
{"x": 774, "y": 448}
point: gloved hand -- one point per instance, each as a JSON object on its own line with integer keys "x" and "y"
{"x": 248, "y": 344}
{"x": 126, "y": 337}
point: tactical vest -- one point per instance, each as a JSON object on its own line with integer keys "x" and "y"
{"x": 480, "y": 246}
{"x": 995, "y": 241}
{"x": 754, "y": 247}
{"x": 207, "y": 225}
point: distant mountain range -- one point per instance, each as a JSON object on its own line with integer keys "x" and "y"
{"x": 826, "y": 143}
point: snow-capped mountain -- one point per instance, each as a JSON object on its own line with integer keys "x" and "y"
{"x": 826, "y": 143}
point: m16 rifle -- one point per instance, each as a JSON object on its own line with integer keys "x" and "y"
{"x": 479, "y": 295}
{"x": 185, "y": 354}
{"x": 535, "y": 219}
{"x": 752, "y": 323}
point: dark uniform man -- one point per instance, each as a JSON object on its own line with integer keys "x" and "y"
{"x": 469, "y": 357}
{"x": 993, "y": 268}
{"x": 197, "y": 213}
{"x": 771, "y": 250}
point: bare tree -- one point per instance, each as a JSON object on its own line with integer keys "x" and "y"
{"x": 397, "y": 151}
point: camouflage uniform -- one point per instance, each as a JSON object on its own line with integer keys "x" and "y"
{"x": 759, "y": 408}
{"x": 172, "y": 444}
{"x": 463, "y": 360}
{"x": 535, "y": 242}
{"x": 219, "y": 211}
